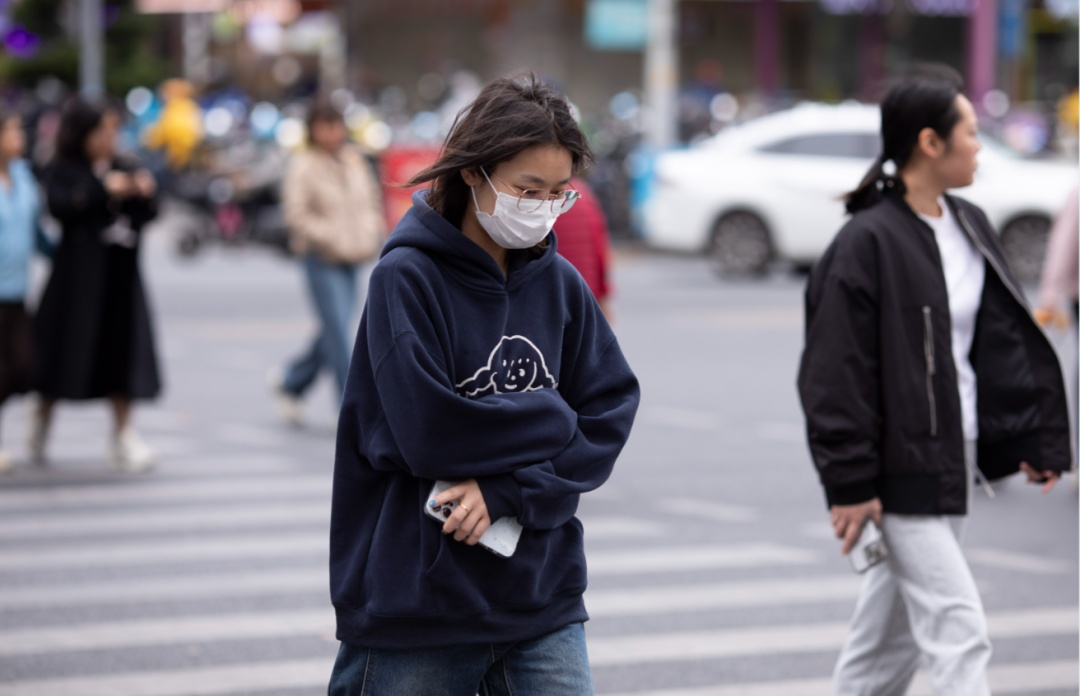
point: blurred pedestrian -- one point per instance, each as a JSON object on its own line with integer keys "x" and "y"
{"x": 1059, "y": 286}
{"x": 333, "y": 207}
{"x": 483, "y": 361}
{"x": 584, "y": 242}
{"x": 910, "y": 312}
{"x": 1059, "y": 289}
{"x": 93, "y": 327}
{"x": 18, "y": 231}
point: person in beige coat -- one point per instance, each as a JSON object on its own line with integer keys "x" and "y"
{"x": 333, "y": 207}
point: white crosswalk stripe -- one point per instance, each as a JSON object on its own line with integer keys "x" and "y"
{"x": 1027, "y": 680}
{"x": 191, "y": 524}
{"x": 290, "y": 544}
{"x": 773, "y": 640}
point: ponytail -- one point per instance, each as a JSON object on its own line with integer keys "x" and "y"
{"x": 872, "y": 187}
{"x": 926, "y": 99}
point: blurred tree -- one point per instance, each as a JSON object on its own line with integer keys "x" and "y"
{"x": 53, "y": 51}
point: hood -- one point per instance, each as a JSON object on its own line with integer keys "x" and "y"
{"x": 424, "y": 229}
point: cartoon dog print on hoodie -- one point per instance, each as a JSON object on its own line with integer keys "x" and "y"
{"x": 515, "y": 365}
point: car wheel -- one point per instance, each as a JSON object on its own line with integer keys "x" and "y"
{"x": 1024, "y": 242}
{"x": 740, "y": 244}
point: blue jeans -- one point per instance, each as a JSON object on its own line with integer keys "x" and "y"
{"x": 553, "y": 664}
{"x": 333, "y": 292}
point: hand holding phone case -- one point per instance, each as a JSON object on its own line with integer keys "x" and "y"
{"x": 869, "y": 550}
{"x": 501, "y": 538}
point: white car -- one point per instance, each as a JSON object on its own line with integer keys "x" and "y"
{"x": 772, "y": 188}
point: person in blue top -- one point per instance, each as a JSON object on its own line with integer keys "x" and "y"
{"x": 18, "y": 231}
{"x": 482, "y": 360}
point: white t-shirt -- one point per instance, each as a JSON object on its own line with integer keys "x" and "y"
{"x": 965, "y": 272}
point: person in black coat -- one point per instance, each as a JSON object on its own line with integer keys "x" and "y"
{"x": 93, "y": 328}
{"x": 923, "y": 373}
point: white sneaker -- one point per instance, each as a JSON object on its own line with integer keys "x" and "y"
{"x": 130, "y": 453}
{"x": 6, "y": 462}
{"x": 289, "y": 405}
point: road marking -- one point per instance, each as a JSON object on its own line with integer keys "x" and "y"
{"x": 683, "y": 418}
{"x": 1022, "y": 562}
{"x": 1026, "y": 679}
{"x": 176, "y": 586}
{"x": 174, "y": 631}
{"x": 666, "y": 560}
{"x": 798, "y": 638}
{"x": 754, "y": 593}
{"x": 781, "y": 431}
{"x": 694, "y": 507}
{"x": 600, "y": 528}
{"x": 156, "y": 551}
{"x": 252, "y": 515}
{"x": 1029, "y": 678}
{"x": 149, "y": 490}
{"x": 600, "y": 603}
{"x": 213, "y": 681}
{"x": 750, "y": 318}
{"x": 286, "y": 545}
{"x": 256, "y": 436}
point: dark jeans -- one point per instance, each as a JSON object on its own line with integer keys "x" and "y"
{"x": 333, "y": 293}
{"x": 553, "y": 665}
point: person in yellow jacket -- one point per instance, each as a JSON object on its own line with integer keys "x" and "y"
{"x": 179, "y": 129}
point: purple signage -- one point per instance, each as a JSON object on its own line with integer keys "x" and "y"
{"x": 926, "y": 7}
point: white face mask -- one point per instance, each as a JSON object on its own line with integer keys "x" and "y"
{"x": 510, "y": 227}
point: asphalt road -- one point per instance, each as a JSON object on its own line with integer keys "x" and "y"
{"x": 712, "y": 569}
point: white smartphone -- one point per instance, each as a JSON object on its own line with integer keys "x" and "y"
{"x": 501, "y": 538}
{"x": 869, "y": 550}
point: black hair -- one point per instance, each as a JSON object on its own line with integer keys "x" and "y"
{"x": 77, "y": 121}
{"x": 509, "y": 115}
{"x": 323, "y": 111}
{"x": 926, "y": 99}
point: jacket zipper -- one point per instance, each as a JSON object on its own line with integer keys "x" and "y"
{"x": 931, "y": 368}
{"x": 992, "y": 261}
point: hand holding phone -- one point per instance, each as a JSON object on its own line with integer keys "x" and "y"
{"x": 869, "y": 550}
{"x": 501, "y": 538}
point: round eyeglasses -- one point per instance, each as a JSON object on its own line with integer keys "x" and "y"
{"x": 531, "y": 200}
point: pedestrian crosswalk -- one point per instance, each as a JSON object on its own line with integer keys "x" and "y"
{"x": 235, "y": 566}
{"x": 712, "y": 567}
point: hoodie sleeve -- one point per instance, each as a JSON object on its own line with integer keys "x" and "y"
{"x": 603, "y": 392}
{"x": 839, "y": 372}
{"x": 439, "y": 434}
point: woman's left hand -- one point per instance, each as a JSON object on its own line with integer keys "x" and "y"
{"x": 1033, "y": 476}
{"x": 470, "y": 518}
{"x": 145, "y": 184}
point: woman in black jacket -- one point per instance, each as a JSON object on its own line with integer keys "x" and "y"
{"x": 93, "y": 329}
{"x": 923, "y": 370}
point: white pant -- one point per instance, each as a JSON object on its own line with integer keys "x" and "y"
{"x": 922, "y": 603}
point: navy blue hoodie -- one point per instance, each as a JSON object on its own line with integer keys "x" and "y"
{"x": 461, "y": 372}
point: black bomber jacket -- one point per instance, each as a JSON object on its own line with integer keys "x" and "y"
{"x": 877, "y": 380}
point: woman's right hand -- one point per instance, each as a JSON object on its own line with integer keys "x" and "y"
{"x": 848, "y": 520}
{"x": 118, "y": 184}
{"x": 470, "y": 518}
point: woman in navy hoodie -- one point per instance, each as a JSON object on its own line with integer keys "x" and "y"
{"x": 483, "y": 360}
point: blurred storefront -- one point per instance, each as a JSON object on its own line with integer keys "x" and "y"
{"x": 769, "y": 51}
{"x": 774, "y": 49}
